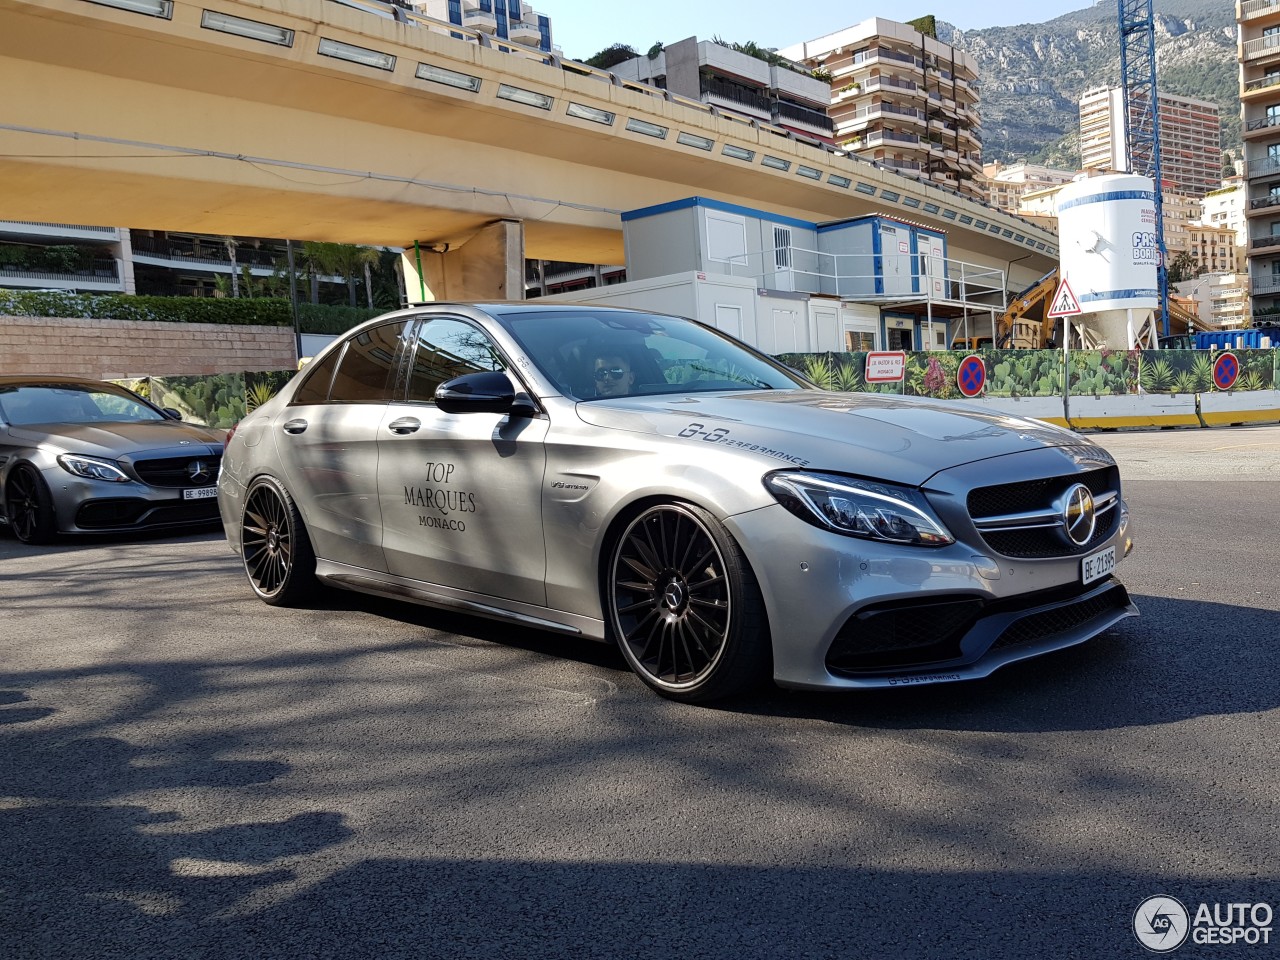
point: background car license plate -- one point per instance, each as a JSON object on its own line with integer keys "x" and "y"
{"x": 208, "y": 493}
{"x": 1098, "y": 565}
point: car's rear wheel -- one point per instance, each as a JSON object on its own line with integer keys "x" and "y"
{"x": 30, "y": 506}
{"x": 685, "y": 607}
{"x": 278, "y": 557}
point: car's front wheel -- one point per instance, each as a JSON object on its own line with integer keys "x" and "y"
{"x": 30, "y": 506}
{"x": 277, "y": 552}
{"x": 685, "y": 607}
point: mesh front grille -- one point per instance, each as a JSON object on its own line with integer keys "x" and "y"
{"x": 1028, "y": 544}
{"x": 1049, "y": 623}
{"x": 176, "y": 471}
{"x": 115, "y": 514}
{"x": 1036, "y": 494}
{"x": 1033, "y": 495}
{"x": 903, "y": 635}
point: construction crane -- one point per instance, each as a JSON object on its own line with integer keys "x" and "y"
{"x": 1142, "y": 119}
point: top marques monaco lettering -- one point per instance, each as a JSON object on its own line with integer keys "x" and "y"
{"x": 440, "y": 499}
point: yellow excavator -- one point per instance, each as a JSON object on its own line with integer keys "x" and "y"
{"x": 1023, "y": 325}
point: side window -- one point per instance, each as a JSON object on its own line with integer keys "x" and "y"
{"x": 449, "y": 348}
{"x": 315, "y": 388}
{"x": 365, "y": 372}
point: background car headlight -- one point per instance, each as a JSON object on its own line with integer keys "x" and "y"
{"x": 859, "y": 508}
{"x": 92, "y": 468}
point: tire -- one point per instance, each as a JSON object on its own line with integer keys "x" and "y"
{"x": 29, "y": 506}
{"x": 278, "y": 558}
{"x": 684, "y": 606}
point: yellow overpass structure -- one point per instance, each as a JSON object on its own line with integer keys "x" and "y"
{"x": 320, "y": 120}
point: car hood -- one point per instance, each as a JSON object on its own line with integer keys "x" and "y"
{"x": 900, "y": 439}
{"x": 117, "y": 440}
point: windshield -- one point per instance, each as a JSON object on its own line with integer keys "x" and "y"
{"x": 26, "y": 404}
{"x": 599, "y": 354}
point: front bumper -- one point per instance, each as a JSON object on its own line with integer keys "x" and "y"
{"x": 846, "y": 613}
{"x": 93, "y": 506}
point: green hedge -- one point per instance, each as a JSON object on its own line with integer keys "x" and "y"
{"x": 264, "y": 311}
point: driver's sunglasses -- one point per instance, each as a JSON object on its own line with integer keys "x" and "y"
{"x": 609, "y": 373}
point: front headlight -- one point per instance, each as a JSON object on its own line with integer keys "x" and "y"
{"x": 91, "y": 468}
{"x": 859, "y": 508}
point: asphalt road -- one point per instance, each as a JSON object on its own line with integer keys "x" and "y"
{"x": 187, "y": 773}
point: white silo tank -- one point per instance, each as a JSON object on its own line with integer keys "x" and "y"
{"x": 1109, "y": 254}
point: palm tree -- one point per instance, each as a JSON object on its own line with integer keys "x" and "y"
{"x": 231, "y": 243}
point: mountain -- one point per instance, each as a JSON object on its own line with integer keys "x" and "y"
{"x": 1032, "y": 75}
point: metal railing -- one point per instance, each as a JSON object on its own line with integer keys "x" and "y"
{"x": 1262, "y": 47}
{"x": 101, "y": 271}
{"x": 1262, "y": 123}
{"x": 734, "y": 93}
{"x": 798, "y": 114}
{"x": 1263, "y": 202}
{"x": 1263, "y": 166}
{"x": 1256, "y": 8}
{"x": 213, "y": 252}
{"x": 923, "y": 277}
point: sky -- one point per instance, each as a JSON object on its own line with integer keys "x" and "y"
{"x": 582, "y": 28}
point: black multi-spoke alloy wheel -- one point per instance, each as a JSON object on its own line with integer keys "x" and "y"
{"x": 30, "y": 506}
{"x": 685, "y": 607}
{"x": 277, "y": 552}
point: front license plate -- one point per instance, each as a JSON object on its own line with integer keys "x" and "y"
{"x": 1098, "y": 565}
{"x": 208, "y": 493}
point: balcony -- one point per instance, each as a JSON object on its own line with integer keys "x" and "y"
{"x": 788, "y": 113}
{"x": 102, "y": 276}
{"x": 884, "y": 53}
{"x": 482, "y": 21}
{"x": 1262, "y": 83}
{"x": 1265, "y": 284}
{"x": 1263, "y": 203}
{"x": 1261, "y": 49}
{"x": 210, "y": 252}
{"x": 1263, "y": 167}
{"x": 1262, "y": 123}
{"x": 882, "y": 84}
{"x": 525, "y": 33}
{"x": 737, "y": 97}
{"x": 1264, "y": 243}
{"x": 1253, "y": 9}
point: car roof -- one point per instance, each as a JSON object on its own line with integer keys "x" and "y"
{"x": 51, "y": 379}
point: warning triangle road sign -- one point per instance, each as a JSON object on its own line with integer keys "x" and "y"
{"x": 1064, "y": 303}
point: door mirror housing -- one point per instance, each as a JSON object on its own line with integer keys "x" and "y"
{"x": 487, "y": 392}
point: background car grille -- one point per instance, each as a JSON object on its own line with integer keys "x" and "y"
{"x": 1027, "y": 496}
{"x": 174, "y": 471}
{"x": 131, "y": 513}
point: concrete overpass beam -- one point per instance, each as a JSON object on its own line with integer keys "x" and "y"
{"x": 488, "y": 266}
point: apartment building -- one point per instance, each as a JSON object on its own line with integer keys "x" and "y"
{"x": 1258, "y": 52}
{"x": 774, "y": 90}
{"x": 509, "y": 20}
{"x": 902, "y": 99}
{"x": 1214, "y": 249}
{"x": 1006, "y": 185}
{"x": 1190, "y": 139}
{"x": 1225, "y": 207}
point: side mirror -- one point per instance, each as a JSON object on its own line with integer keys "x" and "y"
{"x": 171, "y": 413}
{"x": 487, "y": 392}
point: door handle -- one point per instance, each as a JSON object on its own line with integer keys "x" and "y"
{"x": 295, "y": 426}
{"x": 404, "y": 425}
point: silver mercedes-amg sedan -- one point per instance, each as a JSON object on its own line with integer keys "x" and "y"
{"x": 88, "y": 456}
{"x": 648, "y": 481}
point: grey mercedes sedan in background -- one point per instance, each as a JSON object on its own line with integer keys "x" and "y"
{"x": 88, "y": 456}
{"x": 648, "y": 481}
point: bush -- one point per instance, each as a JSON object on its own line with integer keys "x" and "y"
{"x": 265, "y": 311}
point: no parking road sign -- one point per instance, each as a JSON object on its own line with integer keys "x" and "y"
{"x": 971, "y": 375}
{"x": 1225, "y": 370}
